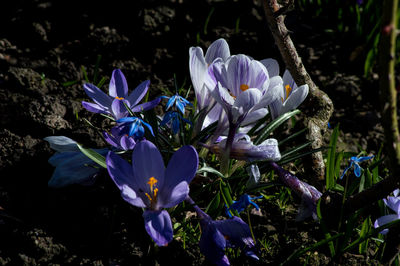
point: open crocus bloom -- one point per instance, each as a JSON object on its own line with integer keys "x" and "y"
{"x": 244, "y": 149}
{"x": 148, "y": 184}
{"x": 113, "y": 104}
{"x": 290, "y": 96}
{"x": 72, "y": 166}
{"x": 393, "y": 202}
{"x": 243, "y": 88}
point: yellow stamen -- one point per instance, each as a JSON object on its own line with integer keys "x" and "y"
{"x": 155, "y": 193}
{"x": 148, "y": 196}
{"x": 288, "y": 91}
{"x": 119, "y": 98}
{"x": 244, "y": 87}
{"x": 151, "y": 182}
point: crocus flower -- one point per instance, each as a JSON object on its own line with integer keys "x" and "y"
{"x": 244, "y": 149}
{"x": 217, "y": 235}
{"x": 198, "y": 65}
{"x": 241, "y": 204}
{"x": 290, "y": 96}
{"x": 113, "y": 103}
{"x": 309, "y": 194}
{"x": 148, "y": 184}
{"x": 393, "y": 202}
{"x": 354, "y": 162}
{"x": 133, "y": 126}
{"x": 179, "y": 102}
{"x": 72, "y": 166}
{"x": 118, "y": 139}
{"x": 172, "y": 119}
{"x": 243, "y": 88}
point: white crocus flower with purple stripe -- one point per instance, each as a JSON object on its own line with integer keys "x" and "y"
{"x": 198, "y": 65}
{"x": 148, "y": 184}
{"x": 290, "y": 96}
{"x": 113, "y": 103}
{"x": 243, "y": 88}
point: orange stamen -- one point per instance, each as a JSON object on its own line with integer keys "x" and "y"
{"x": 152, "y": 182}
{"x": 119, "y": 98}
{"x": 288, "y": 90}
{"x": 244, "y": 87}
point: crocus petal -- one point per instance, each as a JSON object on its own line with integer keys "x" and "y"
{"x": 95, "y": 108}
{"x": 295, "y": 99}
{"x": 272, "y": 66}
{"x": 118, "y": 86}
{"x": 111, "y": 139}
{"x": 238, "y": 234}
{"x": 238, "y": 73}
{"x": 258, "y": 75}
{"x": 127, "y": 143}
{"x": 245, "y": 101}
{"x": 121, "y": 173}
{"x": 137, "y": 94}
{"x": 62, "y": 143}
{"x": 288, "y": 80}
{"x": 180, "y": 171}
{"x": 118, "y": 108}
{"x": 275, "y": 108}
{"x": 385, "y": 220}
{"x": 158, "y": 225}
{"x": 198, "y": 68}
{"x": 212, "y": 243}
{"x": 146, "y": 106}
{"x": 254, "y": 116}
{"x": 147, "y": 162}
{"x": 218, "y": 48}
{"x": 97, "y": 95}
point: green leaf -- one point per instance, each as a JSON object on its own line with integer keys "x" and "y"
{"x": 330, "y": 165}
{"x": 96, "y": 157}
{"x": 209, "y": 169}
{"x": 362, "y": 248}
{"x": 296, "y": 149}
{"x": 264, "y": 134}
{"x": 214, "y": 204}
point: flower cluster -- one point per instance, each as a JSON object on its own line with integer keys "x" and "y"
{"x": 233, "y": 93}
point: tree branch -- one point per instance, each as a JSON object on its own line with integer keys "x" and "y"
{"x": 318, "y": 106}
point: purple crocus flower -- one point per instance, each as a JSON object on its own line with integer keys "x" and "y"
{"x": 118, "y": 139}
{"x": 309, "y": 194}
{"x": 72, "y": 166}
{"x": 354, "y": 161}
{"x": 244, "y": 149}
{"x": 290, "y": 96}
{"x": 217, "y": 235}
{"x": 148, "y": 184}
{"x": 393, "y": 202}
{"x": 242, "y": 203}
{"x": 113, "y": 104}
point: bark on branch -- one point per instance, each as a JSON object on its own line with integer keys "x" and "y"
{"x": 318, "y": 106}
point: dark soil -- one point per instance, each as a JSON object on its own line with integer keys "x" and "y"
{"x": 44, "y": 45}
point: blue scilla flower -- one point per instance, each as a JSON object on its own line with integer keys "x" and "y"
{"x": 241, "y": 204}
{"x": 179, "y": 102}
{"x": 172, "y": 119}
{"x": 354, "y": 162}
{"x": 133, "y": 126}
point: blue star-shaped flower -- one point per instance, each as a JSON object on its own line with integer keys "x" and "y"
{"x": 172, "y": 119}
{"x": 179, "y": 102}
{"x": 244, "y": 201}
{"x": 354, "y": 162}
{"x": 134, "y": 125}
